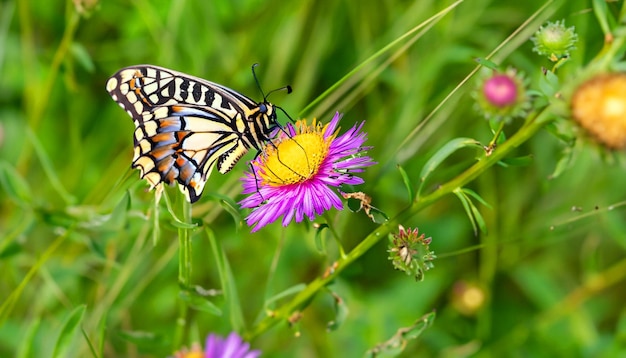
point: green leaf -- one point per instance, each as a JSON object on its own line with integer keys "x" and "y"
{"x": 517, "y": 161}
{"x": 48, "y": 168}
{"x": 568, "y": 156}
{"x": 621, "y": 325}
{"x": 232, "y": 209}
{"x": 407, "y": 182}
{"x": 564, "y": 130}
{"x": 227, "y": 280}
{"x": 320, "y": 243}
{"x": 9, "y": 250}
{"x": 181, "y": 202}
{"x": 353, "y": 204}
{"x": 199, "y": 303}
{"x": 102, "y": 325}
{"x": 486, "y": 63}
{"x": 341, "y": 313}
{"x": 62, "y": 345}
{"x": 472, "y": 212}
{"x": 228, "y": 204}
{"x": 156, "y": 223}
{"x": 360, "y": 201}
{"x": 480, "y": 221}
{"x": 600, "y": 8}
{"x": 398, "y": 342}
{"x": 443, "y": 153}
{"x": 28, "y": 342}
{"x": 288, "y": 292}
{"x": 549, "y": 84}
{"x": 378, "y": 216}
{"x": 15, "y": 186}
{"x": 182, "y": 225}
{"x": 118, "y": 216}
{"x": 146, "y": 341}
{"x": 497, "y": 126}
{"x": 82, "y": 57}
{"x": 475, "y": 195}
{"x": 91, "y": 347}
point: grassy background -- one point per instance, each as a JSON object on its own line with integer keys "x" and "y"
{"x": 76, "y": 223}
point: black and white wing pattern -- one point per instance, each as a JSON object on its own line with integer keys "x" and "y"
{"x": 185, "y": 126}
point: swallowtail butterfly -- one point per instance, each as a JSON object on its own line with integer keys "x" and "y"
{"x": 185, "y": 126}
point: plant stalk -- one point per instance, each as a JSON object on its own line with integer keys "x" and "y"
{"x": 301, "y": 300}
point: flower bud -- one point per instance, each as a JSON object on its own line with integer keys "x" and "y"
{"x": 409, "y": 252}
{"x": 554, "y": 40}
{"x": 502, "y": 96}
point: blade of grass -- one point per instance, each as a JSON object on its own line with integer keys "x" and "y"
{"x": 62, "y": 346}
{"x": 227, "y": 280}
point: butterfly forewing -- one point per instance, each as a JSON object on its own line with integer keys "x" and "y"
{"x": 184, "y": 125}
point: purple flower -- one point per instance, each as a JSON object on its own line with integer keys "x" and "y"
{"x": 296, "y": 175}
{"x": 502, "y": 96}
{"x": 231, "y": 347}
{"x": 500, "y": 90}
{"x": 217, "y": 347}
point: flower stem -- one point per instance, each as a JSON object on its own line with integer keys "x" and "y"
{"x": 184, "y": 255}
{"x": 184, "y": 269}
{"x": 302, "y": 299}
{"x": 331, "y": 227}
{"x": 496, "y": 135}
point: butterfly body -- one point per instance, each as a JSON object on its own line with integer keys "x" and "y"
{"x": 185, "y": 126}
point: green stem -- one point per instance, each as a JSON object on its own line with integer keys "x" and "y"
{"x": 36, "y": 94}
{"x": 496, "y": 135}
{"x": 335, "y": 234}
{"x": 300, "y": 301}
{"x": 16, "y": 295}
{"x": 184, "y": 269}
{"x": 184, "y": 255}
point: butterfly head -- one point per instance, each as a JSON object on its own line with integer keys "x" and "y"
{"x": 267, "y": 119}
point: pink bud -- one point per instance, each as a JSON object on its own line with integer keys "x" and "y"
{"x": 500, "y": 90}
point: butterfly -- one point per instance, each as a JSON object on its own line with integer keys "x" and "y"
{"x": 185, "y": 126}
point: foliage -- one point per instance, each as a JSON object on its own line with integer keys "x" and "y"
{"x": 530, "y": 260}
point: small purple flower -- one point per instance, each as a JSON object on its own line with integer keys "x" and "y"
{"x": 231, "y": 347}
{"x": 217, "y": 347}
{"x": 296, "y": 174}
{"x": 502, "y": 96}
{"x": 500, "y": 90}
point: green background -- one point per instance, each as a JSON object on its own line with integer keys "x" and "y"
{"x": 552, "y": 277}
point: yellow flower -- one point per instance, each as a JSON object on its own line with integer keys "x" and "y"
{"x": 599, "y": 106}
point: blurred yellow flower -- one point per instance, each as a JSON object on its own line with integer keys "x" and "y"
{"x": 599, "y": 106}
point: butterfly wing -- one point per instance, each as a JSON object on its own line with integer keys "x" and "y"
{"x": 185, "y": 126}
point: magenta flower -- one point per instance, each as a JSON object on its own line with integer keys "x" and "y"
{"x": 502, "y": 96}
{"x": 217, "y": 347}
{"x": 298, "y": 173}
{"x": 231, "y": 347}
{"x": 500, "y": 90}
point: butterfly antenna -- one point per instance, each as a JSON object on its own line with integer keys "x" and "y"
{"x": 285, "y": 112}
{"x": 286, "y": 88}
{"x": 258, "y": 84}
{"x": 289, "y": 90}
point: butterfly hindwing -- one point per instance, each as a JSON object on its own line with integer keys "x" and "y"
{"x": 185, "y": 126}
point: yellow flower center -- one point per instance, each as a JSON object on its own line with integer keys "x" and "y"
{"x": 194, "y": 355}
{"x": 195, "y": 352}
{"x": 295, "y": 159}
